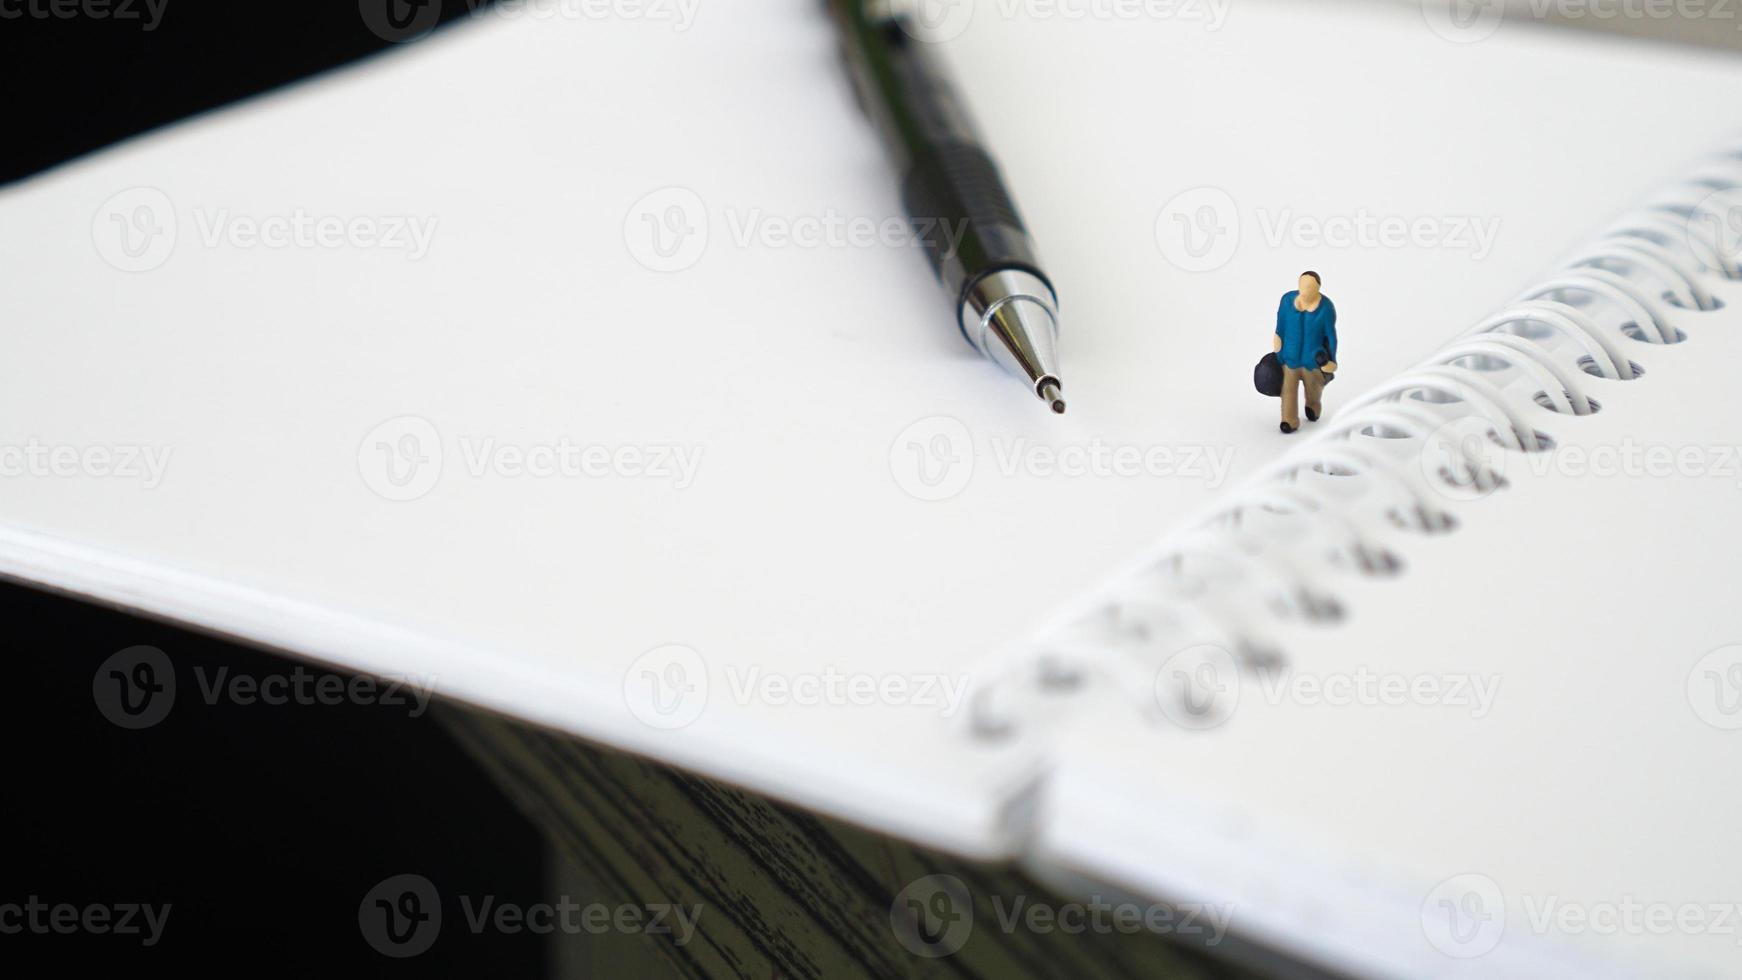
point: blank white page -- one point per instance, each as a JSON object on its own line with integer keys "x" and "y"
{"x": 813, "y": 380}
{"x": 1509, "y": 751}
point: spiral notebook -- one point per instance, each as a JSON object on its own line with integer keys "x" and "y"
{"x": 1451, "y": 689}
{"x": 611, "y": 407}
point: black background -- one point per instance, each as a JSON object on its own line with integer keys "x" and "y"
{"x": 75, "y": 84}
{"x": 262, "y": 826}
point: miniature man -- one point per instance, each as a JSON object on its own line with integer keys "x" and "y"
{"x": 1306, "y": 344}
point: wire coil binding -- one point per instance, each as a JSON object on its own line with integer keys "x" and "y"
{"x": 1632, "y": 284}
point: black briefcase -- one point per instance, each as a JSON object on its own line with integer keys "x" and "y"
{"x": 1267, "y": 376}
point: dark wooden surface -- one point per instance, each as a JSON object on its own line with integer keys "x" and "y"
{"x": 783, "y": 893}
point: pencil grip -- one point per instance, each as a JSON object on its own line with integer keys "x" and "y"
{"x": 963, "y": 217}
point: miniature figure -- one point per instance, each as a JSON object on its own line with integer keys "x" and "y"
{"x": 1306, "y": 345}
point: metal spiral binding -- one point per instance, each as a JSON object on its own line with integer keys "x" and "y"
{"x": 1645, "y": 267}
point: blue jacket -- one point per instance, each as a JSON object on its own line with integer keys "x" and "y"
{"x": 1305, "y": 334}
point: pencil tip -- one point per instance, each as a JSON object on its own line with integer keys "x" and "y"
{"x": 1049, "y": 393}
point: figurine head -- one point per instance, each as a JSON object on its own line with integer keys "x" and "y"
{"x": 1309, "y": 286}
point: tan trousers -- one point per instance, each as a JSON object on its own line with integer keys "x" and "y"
{"x": 1292, "y": 379}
